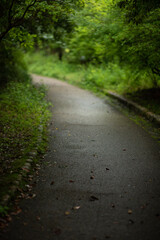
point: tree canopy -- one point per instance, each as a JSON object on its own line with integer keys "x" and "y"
{"x": 24, "y": 22}
{"x": 22, "y": 18}
{"x": 125, "y": 32}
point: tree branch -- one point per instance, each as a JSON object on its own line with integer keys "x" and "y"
{"x": 3, "y": 34}
{"x": 156, "y": 71}
{"x": 9, "y": 13}
{"x": 27, "y": 8}
{"x": 16, "y": 21}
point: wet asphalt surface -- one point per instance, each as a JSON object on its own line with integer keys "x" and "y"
{"x": 100, "y": 178}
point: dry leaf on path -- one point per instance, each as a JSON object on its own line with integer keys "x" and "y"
{"x": 67, "y": 213}
{"x": 93, "y": 198}
{"x": 71, "y": 181}
{"x": 131, "y": 221}
{"x": 17, "y": 211}
{"x": 52, "y": 183}
{"x": 38, "y": 218}
{"x": 130, "y": 211}
{"x": 76, "y": 208}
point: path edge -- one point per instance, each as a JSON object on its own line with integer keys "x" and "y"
{"x": 136, "y": 107}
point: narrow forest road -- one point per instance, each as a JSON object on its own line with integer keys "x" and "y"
{"x": 101, "y": 179}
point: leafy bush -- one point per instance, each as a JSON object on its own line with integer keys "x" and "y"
{"x": 12, "y": 64}
{"x": 107, "y": 77}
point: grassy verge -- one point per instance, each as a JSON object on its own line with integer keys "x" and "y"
{"x": 121, "y": 80}
{"x": 23, "y": 110}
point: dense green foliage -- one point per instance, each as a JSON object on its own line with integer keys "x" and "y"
{"x": 29, "y": 22}
{"x": 98, "y": 78}
{"x": 22, "y": 110}
{"x": 91, "y": 77}
{"x": 123, "y": 32}
{"x": 20, "y": 19}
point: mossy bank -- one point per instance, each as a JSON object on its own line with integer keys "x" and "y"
{"x": 23, "y": 136}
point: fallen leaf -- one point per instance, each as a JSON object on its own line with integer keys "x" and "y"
{"x": 93, "y": 198}
{"x": 67, "y": 213}
{"x": 31, "y": 195}
{"x": 92, "y": 177}
{"x": 38, "y": 218}
{"x": 71, "y": 181}
{"x": 94, "y": 155}
{"x": 131, "y": 221}
{"x": 130, "y": 211}
{"x": 57, "y": 231}
{"x": 52, "y": 183}
{"x": 25, "y": 169}
{"x": 30, "y": 176}
{"x": 34, "y": 195}
{"x": 9, "y": 218}
{"x": 17, "y": 211}
{"x": 76, "y": 208}
{"x": 28, "y": 186}
{"x": 2, "y": 220}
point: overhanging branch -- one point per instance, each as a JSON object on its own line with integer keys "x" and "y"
{"x": 16, "y": 22}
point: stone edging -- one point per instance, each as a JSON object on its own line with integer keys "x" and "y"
{"x": 24, "y": 169}
{"x": 141, "y": 110}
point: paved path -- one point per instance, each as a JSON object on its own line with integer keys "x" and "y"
{"x": 102, "y": 177}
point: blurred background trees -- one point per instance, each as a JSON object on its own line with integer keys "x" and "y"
{"x": 28, "y": 23}
{"x": 116, "y": 35}
{"x": 126, "y": 33}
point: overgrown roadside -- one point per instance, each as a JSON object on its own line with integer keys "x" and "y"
{"x": 96, "y": 78}
{"x": 23, "y": 137}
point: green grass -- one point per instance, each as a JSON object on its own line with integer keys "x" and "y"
{"x": 23, "y": 109}
{"x": 124, "y": 81}
{"x": 48, "y": 65}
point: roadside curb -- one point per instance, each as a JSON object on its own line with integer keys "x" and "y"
{"x": 136, "y": 107}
